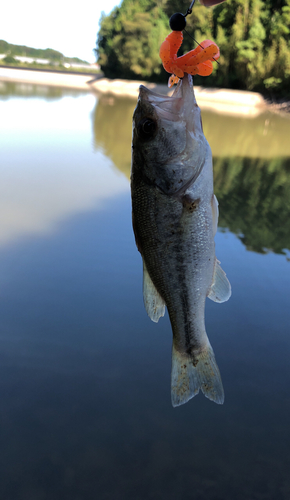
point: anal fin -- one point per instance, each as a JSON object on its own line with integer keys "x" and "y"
{"x": 154, "y": 304}
{"x": 220, "y": 290}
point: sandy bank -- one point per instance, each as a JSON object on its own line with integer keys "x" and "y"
{"x": 56, "y": 79}
{"x": 220, "y": 100}
{"x": 232, "y": 102}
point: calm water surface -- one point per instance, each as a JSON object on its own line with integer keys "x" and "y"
{"x": 84, "y": 374}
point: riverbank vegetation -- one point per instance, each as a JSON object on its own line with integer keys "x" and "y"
{"x": 21, "y": 56}
{"x": 253, "y": 36}
{"x": 22, "y": 50}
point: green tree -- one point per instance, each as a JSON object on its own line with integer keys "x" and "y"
{"x": 129, "y": 40}
{"x": 253, "y": 36}
{"x": 9, "y": 60}
{"x": 277, "y": 63}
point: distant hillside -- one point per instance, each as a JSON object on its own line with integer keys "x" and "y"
{"x": 22, "y": 50}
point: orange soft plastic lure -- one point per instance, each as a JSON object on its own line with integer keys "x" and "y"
{"x": 195, "y": 62}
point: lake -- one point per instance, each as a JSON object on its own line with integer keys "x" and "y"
{"x": 84, "y": 374}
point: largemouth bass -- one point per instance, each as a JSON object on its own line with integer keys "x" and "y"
{"x": 175, "y": 215}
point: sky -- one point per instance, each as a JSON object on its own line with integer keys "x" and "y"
{"x": 67, "y": 26}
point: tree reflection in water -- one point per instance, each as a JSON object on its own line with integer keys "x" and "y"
{"x": 9, "y": 90}
{"x": 254, "y": 197}
{"x": 251, "y": 168}
{"x": 112, "y": 122}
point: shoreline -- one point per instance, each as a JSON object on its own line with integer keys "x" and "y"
{"x": 225, "y": 101}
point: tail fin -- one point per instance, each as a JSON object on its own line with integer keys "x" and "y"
{"x": 188, "y": 376}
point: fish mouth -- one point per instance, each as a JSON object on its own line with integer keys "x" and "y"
{"x": 175, "y": 107}
{"x": 167, "y": 108}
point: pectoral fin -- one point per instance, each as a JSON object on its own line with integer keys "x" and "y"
{"x": 215, "y": 213}
{"x": 220, "y": 290}
{"x": 154, "y": 304}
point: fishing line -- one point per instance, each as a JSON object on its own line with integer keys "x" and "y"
{"x": 198, "y": 43}
{"x": 189, "y": 11}
{"x": 177, "y": 23}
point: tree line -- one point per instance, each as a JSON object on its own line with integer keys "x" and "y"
{"x": 253, "y": 36}
{"x": 52, "y": 55}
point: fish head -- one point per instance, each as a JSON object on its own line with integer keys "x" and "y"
{"x": 169, "y": 147}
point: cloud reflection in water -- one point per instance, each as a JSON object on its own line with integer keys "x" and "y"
{"x": 48, "y": 168}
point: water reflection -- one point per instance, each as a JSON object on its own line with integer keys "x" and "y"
{"x": 43, "y": 142}
{"x": 254, "y": 196}
{"x": 251, "y": 168}
{"x": 265, "y": 136}
{"x": 18, "y": 89}
{"x": 84, "y": 374}
{"x": 112, "y": 122}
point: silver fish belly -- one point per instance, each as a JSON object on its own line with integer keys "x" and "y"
{"x": 175, "y": 216}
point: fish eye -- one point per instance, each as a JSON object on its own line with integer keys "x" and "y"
{"x": 146, "y": 128}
